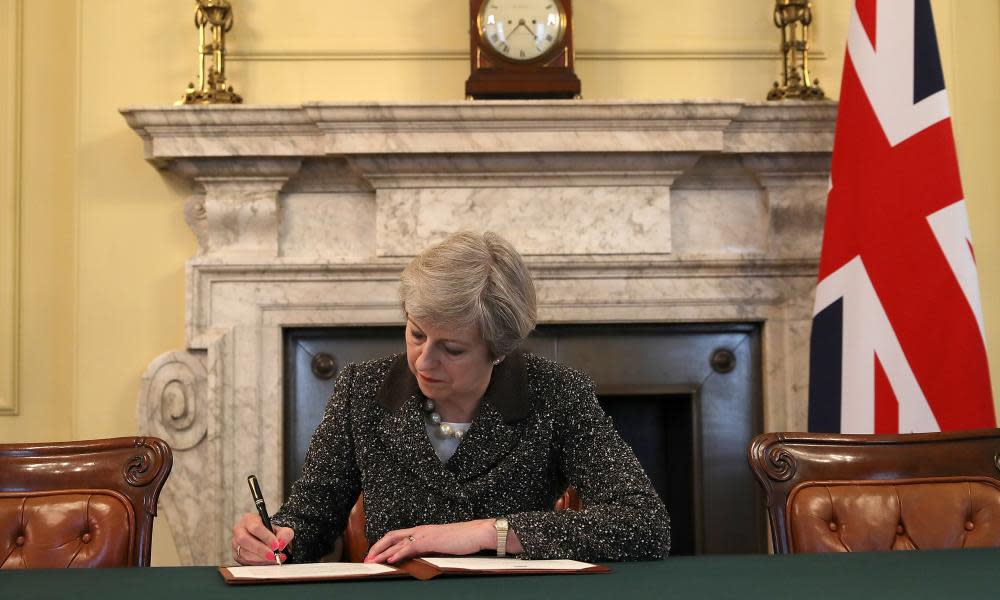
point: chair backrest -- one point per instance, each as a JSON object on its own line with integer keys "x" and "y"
{"x": 851, "y": 493}
{"x": 80, "y": 504}
{"x": 356, "y": 543}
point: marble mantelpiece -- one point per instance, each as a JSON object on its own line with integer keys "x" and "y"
{"x": 667, "y": 212}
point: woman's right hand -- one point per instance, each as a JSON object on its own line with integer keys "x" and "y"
{"x": 253, "y": 544}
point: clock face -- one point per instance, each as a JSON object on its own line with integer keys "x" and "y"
{"x": 522, "y": 30}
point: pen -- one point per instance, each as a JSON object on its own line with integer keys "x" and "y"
{"x": 258, "y": 500}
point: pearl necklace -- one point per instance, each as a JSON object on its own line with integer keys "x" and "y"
{"x": 443, "y": 430}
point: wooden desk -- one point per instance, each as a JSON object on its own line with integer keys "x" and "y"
{"x": 958, "y": 574}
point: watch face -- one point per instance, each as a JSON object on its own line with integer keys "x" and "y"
{"x": 522, "y": 30}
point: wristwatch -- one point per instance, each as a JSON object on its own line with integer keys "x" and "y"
{"x": 501, "y": 526}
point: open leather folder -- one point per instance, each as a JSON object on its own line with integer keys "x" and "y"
{"x": 419, "y": 568}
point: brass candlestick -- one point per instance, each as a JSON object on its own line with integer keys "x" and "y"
{"x": 213, "y": 18}
{"x": 793, "y": 17}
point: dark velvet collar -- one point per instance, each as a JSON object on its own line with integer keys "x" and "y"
{"x": 507, "y": 392}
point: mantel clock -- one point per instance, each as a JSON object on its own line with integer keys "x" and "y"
{"x": 521, "y": 49}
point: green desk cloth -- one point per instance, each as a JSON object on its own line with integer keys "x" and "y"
{"x": 958, "y": 574}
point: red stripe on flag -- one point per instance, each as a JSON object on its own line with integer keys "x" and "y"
{"x": 886, "y": 405}
{"x": 866, "y": 13}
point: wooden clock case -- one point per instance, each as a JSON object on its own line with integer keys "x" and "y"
{"x": 495, "y": 77}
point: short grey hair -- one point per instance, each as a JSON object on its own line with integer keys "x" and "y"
{"x": 473, "y": 280}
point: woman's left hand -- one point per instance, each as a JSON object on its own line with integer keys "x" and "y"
{"x": 456, "y": 539}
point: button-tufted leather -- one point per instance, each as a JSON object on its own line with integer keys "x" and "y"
{"x": 867, "y": 516}
{"x": 80, "y": 504}
{"x": 56, "y": 530}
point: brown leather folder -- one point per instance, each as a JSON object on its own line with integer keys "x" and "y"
{"x": 417, "y": 568}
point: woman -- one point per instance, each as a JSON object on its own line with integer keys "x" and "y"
{"x": 464, "y": 439}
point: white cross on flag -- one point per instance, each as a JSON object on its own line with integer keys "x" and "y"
{"x": 897, "y": 342}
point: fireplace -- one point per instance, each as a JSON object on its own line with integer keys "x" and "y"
{"x": 685, "y": 397}
{"x": 666, "y": 219}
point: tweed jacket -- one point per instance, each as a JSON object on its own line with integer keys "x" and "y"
{"x": 538, "y": 429}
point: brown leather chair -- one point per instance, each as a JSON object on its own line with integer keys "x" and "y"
{"x": 851, "y": 493}
{"x": 356, "y": 544}
{"x": 80, "y": 504}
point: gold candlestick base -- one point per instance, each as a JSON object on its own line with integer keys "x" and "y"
{"x": 812, "y": 92}
{"x": 196, "y": 96}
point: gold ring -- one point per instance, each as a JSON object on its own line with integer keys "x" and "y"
{"x": 238, "y": 549}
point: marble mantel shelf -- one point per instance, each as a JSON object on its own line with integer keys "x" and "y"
{"x": 627, "y": 212}
{"x": 318, "y": 129}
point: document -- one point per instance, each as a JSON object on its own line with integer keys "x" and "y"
{"x": 505, "y": 564}
{"x": 429, "y": 567}
{"x": 419, "y": 568}
{"x": 308, "y": 572}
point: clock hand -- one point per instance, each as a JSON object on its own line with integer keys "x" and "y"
{"x": 518, "y": 26}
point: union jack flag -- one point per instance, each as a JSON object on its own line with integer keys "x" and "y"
{"x": 897, "y": 341}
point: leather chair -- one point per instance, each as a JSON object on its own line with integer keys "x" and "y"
{"x": 356, "y": 544}
{"x": 851, "y": 493}
{"x": 80, "y": 504}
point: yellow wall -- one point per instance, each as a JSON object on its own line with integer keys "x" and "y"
{"x": 10, "y": 191}
{"x": 971, "y": 72}
{"x": 44, "y": 197}
{"x": 101, "y": 241}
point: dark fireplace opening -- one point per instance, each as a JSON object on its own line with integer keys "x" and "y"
{"x": 687, "y": 398}
{"x": 658, "y": 427}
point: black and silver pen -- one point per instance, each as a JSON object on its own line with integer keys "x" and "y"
{"x": 258, "y": 500}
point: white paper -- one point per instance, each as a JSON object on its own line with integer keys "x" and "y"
{"x": 507, "y": 564}
{"x": 310, "y": 570}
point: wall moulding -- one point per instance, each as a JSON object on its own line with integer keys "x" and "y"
{"x": 10, "y": 200}
{"x": 665, "y": 54}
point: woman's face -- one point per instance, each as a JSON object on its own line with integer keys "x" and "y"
{"x": 452, "y": 366}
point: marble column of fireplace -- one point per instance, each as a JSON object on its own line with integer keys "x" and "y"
{"x": 664, "y": 212}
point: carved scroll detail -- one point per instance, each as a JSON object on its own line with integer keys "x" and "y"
{"x": 780, "y": 464}
{"x": 139, "y": 469}
{"x": 172, "y": 403}
{"x": 149, "y": 464}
